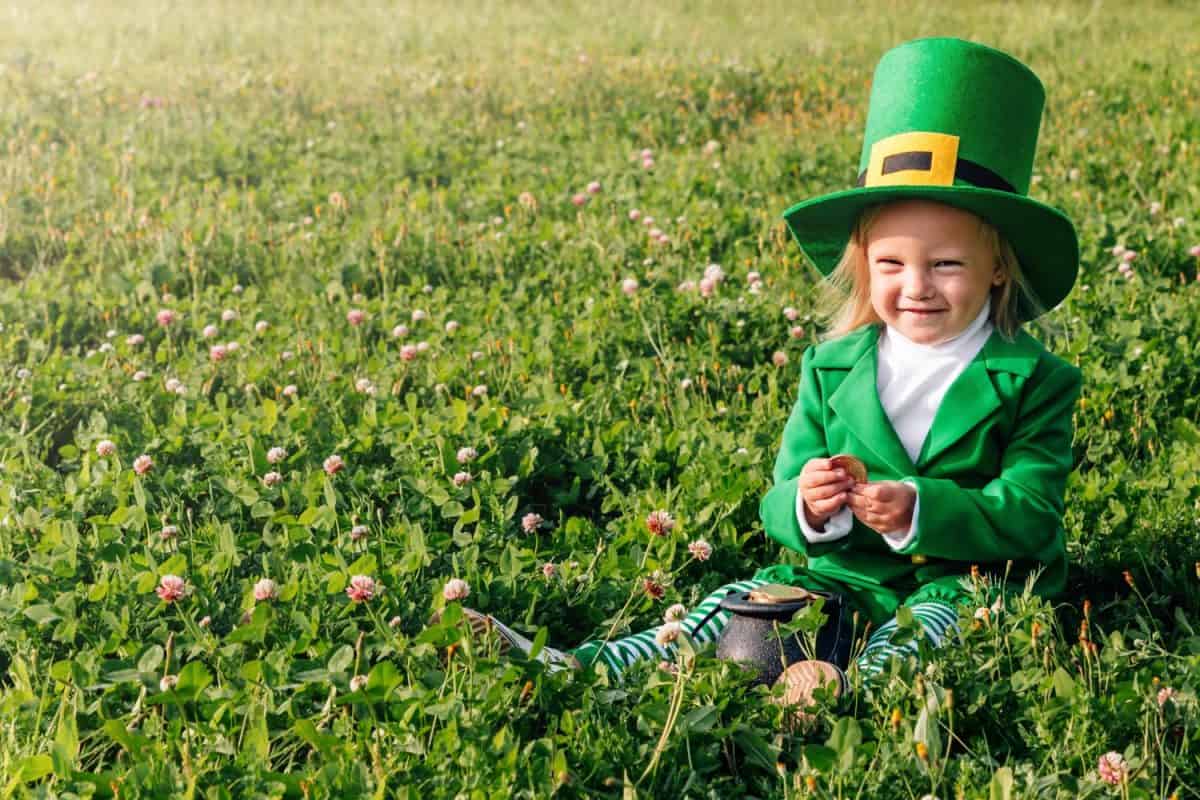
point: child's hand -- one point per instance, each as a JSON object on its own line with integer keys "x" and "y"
{"x": 825, "y": 489}
{"x": 883, "y": 506}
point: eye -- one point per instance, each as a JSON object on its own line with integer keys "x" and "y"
{"x": 948, "y": 263}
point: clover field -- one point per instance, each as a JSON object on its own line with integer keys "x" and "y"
{"x": 306, "y": 309}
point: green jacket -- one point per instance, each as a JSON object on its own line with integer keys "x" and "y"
{"x": 990, "y": 476}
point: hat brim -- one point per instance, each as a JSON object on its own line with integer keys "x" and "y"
{"x": 1043, "y": 237}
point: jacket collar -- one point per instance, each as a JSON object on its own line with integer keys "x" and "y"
{"x": 969, "y": 400}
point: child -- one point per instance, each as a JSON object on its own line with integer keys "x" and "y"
{"x": 962, "y": 420}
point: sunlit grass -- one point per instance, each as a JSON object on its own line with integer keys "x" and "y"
{"x": 300, "y": 162}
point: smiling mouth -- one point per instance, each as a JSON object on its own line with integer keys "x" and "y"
{"x": 924, "y": 310}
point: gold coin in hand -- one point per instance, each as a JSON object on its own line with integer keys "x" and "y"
{"x": 854, "y": 468}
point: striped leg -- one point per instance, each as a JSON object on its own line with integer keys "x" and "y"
{"x": 619, "y": 654}
{"x": 937, "y": 620}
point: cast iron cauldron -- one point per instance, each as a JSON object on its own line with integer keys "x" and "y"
{"x": 750, "y": 638}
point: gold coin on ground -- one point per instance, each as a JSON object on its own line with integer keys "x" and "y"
{"x": 854, "y": 468}
{"x": 801, "y": 680}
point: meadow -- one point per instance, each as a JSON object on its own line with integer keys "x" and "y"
{"x": 308, "y": 310}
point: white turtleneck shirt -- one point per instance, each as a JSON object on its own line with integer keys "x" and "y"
{"x": 911, "y": 380}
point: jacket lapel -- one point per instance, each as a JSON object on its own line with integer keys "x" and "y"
{"x": 971, "y": 398}
{"x": 856, "y": 403}
{"x": 968, "y": 401}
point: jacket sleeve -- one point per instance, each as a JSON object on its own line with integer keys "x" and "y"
{"x": 803, "y": 439}
{"x": 1017, "y": 514}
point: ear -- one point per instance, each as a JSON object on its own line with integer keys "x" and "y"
{"x": 998, "y": 276}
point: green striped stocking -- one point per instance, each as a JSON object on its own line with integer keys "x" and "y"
{"x": 937, "y": 619}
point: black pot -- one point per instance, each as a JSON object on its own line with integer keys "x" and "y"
{"x": 750, "y": 637}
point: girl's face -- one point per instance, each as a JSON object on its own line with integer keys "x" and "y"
{"x": 930, "y": 269}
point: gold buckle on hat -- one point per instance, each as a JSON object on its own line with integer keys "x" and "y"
{"x": 917, "y": 158}
{"x": 917, "y": 558}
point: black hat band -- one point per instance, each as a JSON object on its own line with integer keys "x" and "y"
{"x": 922, "y": 160}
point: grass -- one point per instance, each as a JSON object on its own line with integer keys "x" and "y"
{"x": 294, "y": 162}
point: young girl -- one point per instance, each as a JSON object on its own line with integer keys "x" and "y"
{"x": 962, "y": 420}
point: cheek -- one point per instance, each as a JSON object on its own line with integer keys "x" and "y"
{"x": 956, "y": 289}
{"x": 882, "y": 289}
{"x": 879, "y": 299}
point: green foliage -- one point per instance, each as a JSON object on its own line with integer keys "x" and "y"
{"x": 292, "y": 163}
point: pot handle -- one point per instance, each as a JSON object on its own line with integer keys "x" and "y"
{"x": 710, "y": 614}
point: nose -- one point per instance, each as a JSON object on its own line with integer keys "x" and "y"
{"x": 917, "y": 285}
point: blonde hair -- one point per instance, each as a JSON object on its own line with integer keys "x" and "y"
{"x": 847, "y": 290}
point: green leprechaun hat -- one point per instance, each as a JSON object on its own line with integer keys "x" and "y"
{"x": 955, "y": 122}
